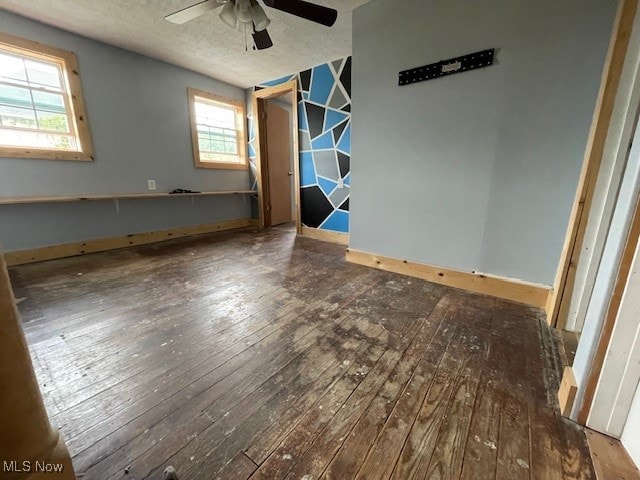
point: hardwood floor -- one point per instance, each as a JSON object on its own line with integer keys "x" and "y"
{"x": 256, "y": 354}
{"x": 610, "y": 459}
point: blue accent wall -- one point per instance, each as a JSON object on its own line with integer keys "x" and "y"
{"x": 324, "y": 122}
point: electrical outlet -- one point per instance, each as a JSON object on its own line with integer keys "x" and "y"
{"x": 340, "y": 183}
{"x": 151, "y": 184}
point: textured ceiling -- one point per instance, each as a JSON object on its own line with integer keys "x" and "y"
{"x": 205, "y": 44}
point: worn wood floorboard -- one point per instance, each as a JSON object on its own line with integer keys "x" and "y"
{"x": 426, "y": 355}
{"x": 610, "y": 459}
{"x": 258, "y": 354}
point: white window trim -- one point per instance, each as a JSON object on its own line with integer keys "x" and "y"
{"x": 77, "y": 114}
{"x": 240, "y": 109}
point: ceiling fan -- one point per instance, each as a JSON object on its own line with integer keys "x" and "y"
{"x": 248, "y": 15}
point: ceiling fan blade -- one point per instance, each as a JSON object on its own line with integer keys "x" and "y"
{"x": 194, "y": 11}
{"x": 262, "y": 40}
{"x": 310, "y": 11}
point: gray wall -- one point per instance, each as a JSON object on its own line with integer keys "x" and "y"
{"x": 476, "y": 171}
{"x": 138, "y": 114}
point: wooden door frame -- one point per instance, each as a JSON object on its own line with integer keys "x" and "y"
{"x": 558, "y": 302}
{"x": 262, "y": 160}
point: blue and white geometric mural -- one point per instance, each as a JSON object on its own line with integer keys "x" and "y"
{"x": 324, "y": 122}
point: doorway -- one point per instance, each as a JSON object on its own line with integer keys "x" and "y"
{"x": 276, "y": 121}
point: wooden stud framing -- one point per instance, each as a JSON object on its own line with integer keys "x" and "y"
{"x": 241, "y": 115}
{"x": 567, "y": 392}
{"x": 33, "y": 438}
{"x": 102, "y": 244}
{"x": 558, "y": 306}
{"x": 509, "y": 289}
{"x": 262, "y": 171}
{"x": 610, "y": 317}
{"x": 74, "y": 100}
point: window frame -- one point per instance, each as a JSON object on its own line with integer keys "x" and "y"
{"x": 240, "y": 113}
{"x": 73, "y": 97}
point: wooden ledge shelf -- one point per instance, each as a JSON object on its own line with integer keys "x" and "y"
{"x": 124, "y": 196}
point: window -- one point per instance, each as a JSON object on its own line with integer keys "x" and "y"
{"x": 217, "y": 131}
{"x": 41, "y": 105}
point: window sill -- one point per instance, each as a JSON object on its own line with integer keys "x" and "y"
{"x": 223, "y": 166}
{"x": 37, "y": 154}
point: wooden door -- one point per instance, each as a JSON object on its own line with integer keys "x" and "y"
{"x": 279, "y": 163}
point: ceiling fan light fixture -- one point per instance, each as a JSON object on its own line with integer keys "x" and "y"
{"x": 228, "y": 15}
{"x": 258, "y": 16}
{"x": 249, "y": 15}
